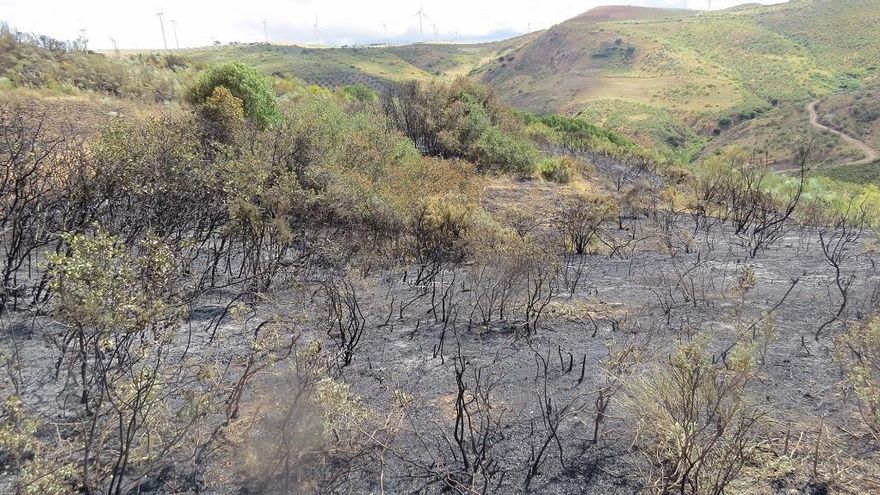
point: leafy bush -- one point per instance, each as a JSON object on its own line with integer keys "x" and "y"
{"x": 461, "y": 119}
{"x": 557, "y": 169}
{"x": 577, "y": 128}
{"x": 361, "y": 93}
{"x": 500, "y": 151}
{"x": 439, "y": 228}
{"x": 859, "y": 352}
{"x": 223, "y": 113}
{"x": 697, "y": 426}
{"x": 245, "y": 83}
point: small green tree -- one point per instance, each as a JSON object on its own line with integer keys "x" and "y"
{"x": 245, "y": 83}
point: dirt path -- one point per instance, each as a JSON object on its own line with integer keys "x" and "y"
{"x": 870, "y": 153}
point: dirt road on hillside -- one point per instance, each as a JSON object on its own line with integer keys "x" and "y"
{"x": 870, "y": 153}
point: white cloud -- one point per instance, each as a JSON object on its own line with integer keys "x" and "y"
{"x": 199, "y": 22}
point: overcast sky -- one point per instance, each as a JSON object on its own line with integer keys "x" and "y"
{"x": 134, "y": 24}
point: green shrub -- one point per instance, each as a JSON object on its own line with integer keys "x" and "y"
{"x": 224, "y": 112}
{"x": 557, "y": 169}
{"x": 361, "y": 93}
{"x": 510, "y": 154}
{"x": 245, "y": 83}
{"x": 447, "y": 119}
{"x": 858, "y": 351}
{"x": 696, "y": 423}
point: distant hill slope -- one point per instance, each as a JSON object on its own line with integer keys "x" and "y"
{"x": 324, "y": 66}
{"x": 840, "y": 34}
{"x": 372, "y": 65}
{"x": 705, "y": 70}
{"x": 666, "y": 77}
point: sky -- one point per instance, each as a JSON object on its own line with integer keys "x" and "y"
{"x": 135, "y": 24}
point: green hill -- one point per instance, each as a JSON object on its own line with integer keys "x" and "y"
{"x": 648, "y": 72}
{"x": 371, "y": 65}
{"x": 683, "y": 80}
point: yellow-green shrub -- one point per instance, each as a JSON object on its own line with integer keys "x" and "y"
{"x": 557, "y": 169}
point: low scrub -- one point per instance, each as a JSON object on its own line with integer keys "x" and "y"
{"x": 462, "y": 119}
{"x": 557, "y": 169}
{"x": 496, "y": 150}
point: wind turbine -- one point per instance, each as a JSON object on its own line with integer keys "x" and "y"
{"x": 422, "y": 16}
{"x": 162, "y": 25}
{"x": 436, "y": 32}
{"x": 265, "y": 33}
{"x": 174, "y": 28}
{"x": 385, "y": 29}
{"x": 83, "y": 39}
{"x": 316, "y": 30}
{"x": 709, "y": 5}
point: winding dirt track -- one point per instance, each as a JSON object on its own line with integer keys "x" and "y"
{"x": 870, "y": 153}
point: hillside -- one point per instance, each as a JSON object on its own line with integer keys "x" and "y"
{"x": 374, "y": 66}
{"x": 669, "y": 78}
{"x": 648, "y": 71}
{"x": 327, "y": 304}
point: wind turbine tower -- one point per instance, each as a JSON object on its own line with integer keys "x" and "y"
{"x": 316, "y": 31}
{"x": 162, "y": 25}
{"x": 83, "y": 39}
{"x": 174, "y": 29}
{"x": 265, "y": 33}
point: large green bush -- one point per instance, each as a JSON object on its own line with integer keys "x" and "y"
{"x": 245, "y": 83}
{"x": 497, "y": 150}
{"x": 461, "y": 119}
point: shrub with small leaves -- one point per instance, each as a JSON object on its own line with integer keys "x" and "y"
{"x": 697, "y": 425}
{"x": 223, "y": 114}
{"x": 557, "y": 169}
{"x": 858, "y": 351}
{"x": 245, "y": 83}
{"x": 497, "y": 150}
